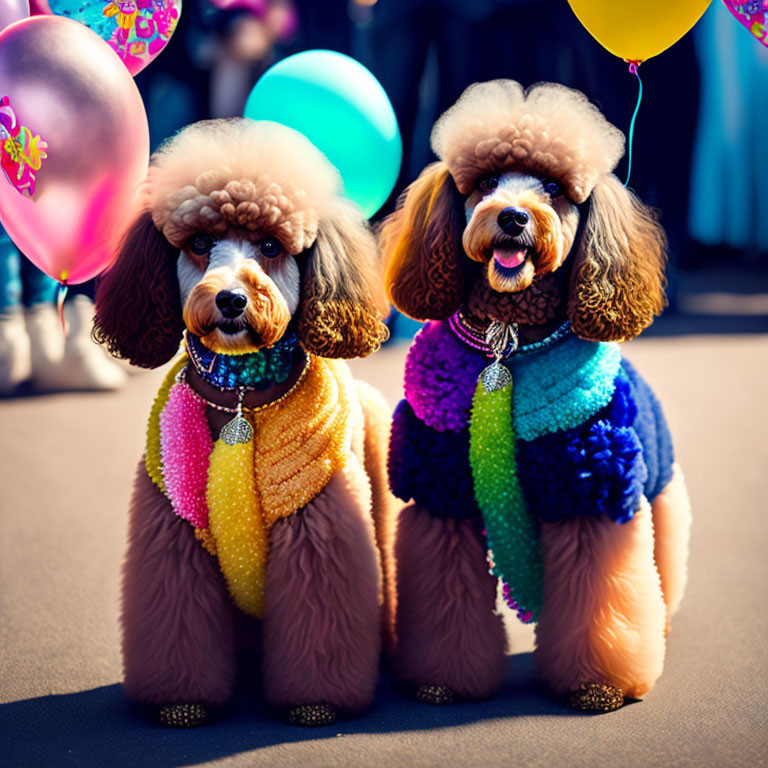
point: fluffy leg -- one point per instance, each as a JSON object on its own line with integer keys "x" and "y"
{"x": 448, "y": 633}
{"x": 603, "y": 615}
{"x": 672, "y": 525}
{"x": 378, "y": 420}
{"x": 322, "y": 618}
{"x": 178, "y": 637}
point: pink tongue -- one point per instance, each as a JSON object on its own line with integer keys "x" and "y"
{"x": 508, "y": 258}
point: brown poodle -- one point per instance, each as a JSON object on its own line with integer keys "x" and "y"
{"x": 521, "y": 246}
{"x": 253, "y": 510}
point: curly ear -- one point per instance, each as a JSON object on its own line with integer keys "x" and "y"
{"x": 421, "y": 246}
{"x": 342, "y": 299}
{"x": 138, "y": 307}
{"x": 618, "y": 282}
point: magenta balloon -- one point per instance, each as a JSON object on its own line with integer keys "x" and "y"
{"x": 13, "y": 10}
{"x": 67, "y": 85}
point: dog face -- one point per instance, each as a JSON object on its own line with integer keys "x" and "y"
{"x": 518, "y": 226}
{"x": 237, "y": 295}
{"x": 237, "y": 256}
{"x": 524, "y": 183}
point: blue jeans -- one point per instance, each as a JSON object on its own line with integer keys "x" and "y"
{"x": 21, "y": 282}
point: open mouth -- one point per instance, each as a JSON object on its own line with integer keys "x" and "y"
{"x": 509, "y": 258}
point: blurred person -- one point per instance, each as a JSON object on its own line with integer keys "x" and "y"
{"x": 399, "y": 37}
{"x": 175, "y": 87}
{"x": 324, "y": 24}
{"x": 449, "y": 44}
{"x": 32, "y": 344}
{"x": 209, "y": 65}
{"x": 247, "y": 48}
{"x": 728, "y": 200}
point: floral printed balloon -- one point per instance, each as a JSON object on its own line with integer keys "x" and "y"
{"x": 753, "y": 14}
{"x": 74, "y": 146}
{"x": 137, "y": 30}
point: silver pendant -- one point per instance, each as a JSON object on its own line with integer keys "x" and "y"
{"x": 501, "y": 339}
{"x": 239, "y": 429}
{"x": 495, "y": 377}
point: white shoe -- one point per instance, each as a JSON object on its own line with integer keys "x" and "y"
{"x": 74, "y": 363}
{"x": 15, "y": 364}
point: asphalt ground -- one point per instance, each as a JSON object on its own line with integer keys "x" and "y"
{"x": 66, "y": 466}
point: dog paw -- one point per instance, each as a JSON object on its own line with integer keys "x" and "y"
{"x": 435, "y": 694}
{"x": 597, "y": 697}
{"x": 312, "y": 715}
{"x": 183, "y": 715}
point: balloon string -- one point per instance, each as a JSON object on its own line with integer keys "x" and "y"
{"x": 633, "y": 68}
{"x": 61, "y": 294}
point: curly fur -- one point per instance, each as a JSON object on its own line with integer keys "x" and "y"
{"x": 243, "y": 179}
{"x": 604, "y": 613}
{"x": 537, "y": 305}
{"x": 672, "y": 528}
{"x": 255, "y": 175}
{"x": 323, "y": 585}
{"x": 421, "y": 243}
{"x": 548, "y": 129}
{"x": 448, "y": 632}
{"x": 138, "y": 307}
{"x": 617, "y": 284}
{"x": 553, "y": 237}
{"x": 342, "y": 296}
{"x": 267, "y": 313}
{"x": 177, "y": 619}
{"x": 618, "y": 276}
{"x": 323, "y": 627}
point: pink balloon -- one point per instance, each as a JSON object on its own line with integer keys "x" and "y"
{"x": 13, "y": 10}
{"x": 76, "y": 95}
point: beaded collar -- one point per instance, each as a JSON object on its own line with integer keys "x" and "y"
{"x": 475, "y": 337}
{"x": 255, "y": 370}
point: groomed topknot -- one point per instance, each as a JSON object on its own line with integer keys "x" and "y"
{"x": 257, "y": 175}
{"x": 547, "y": 129}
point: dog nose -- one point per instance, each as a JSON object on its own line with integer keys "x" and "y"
{"x": 512, "y": 221}
{"x": 231, "y": 303}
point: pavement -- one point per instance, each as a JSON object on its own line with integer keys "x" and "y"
{"x": 66, "y": 465}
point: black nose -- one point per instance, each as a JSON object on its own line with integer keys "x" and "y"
{"x": 231, "y": 303}
{"x": 512, "y": 221}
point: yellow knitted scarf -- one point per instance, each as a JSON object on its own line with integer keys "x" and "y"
{"x": 299, "y": 442}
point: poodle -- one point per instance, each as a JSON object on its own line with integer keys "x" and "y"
{"x": 253, "y": 523}
{"x": 524, "y": 436}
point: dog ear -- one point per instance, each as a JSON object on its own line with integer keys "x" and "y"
{"x": 421, "y": 246}
{"x": 342, "y": 299}
{"x": 618, "y": 283}
{"x": 138, "y": 307}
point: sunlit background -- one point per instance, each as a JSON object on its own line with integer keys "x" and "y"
{"x": 67, "y": 459}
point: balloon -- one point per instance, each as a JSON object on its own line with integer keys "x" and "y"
{"x": 86, "y": 148}
{"x": 343, "y": 110}
{"x": 753, "y": 15}
{"x": 137, "y": 30}
{"x": 635, "y": 30}
{"x": 13, "y": 10}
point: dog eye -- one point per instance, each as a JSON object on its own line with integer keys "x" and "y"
{"x": 270, "y": 247}
{"x": 488, "y": 183}
{"x": 553, "y": 188}
{"x": 201, "y": 244}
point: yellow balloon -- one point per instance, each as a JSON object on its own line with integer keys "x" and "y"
{"x": 635, "y": 30}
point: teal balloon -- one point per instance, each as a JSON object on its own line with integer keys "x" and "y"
{"x": 343, "y": 110}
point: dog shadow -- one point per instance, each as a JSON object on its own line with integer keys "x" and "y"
{"x": 100, "y": 727}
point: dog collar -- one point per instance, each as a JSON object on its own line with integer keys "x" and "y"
{"x": 476, "y": 337}
{"x": 254, "y": 370}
